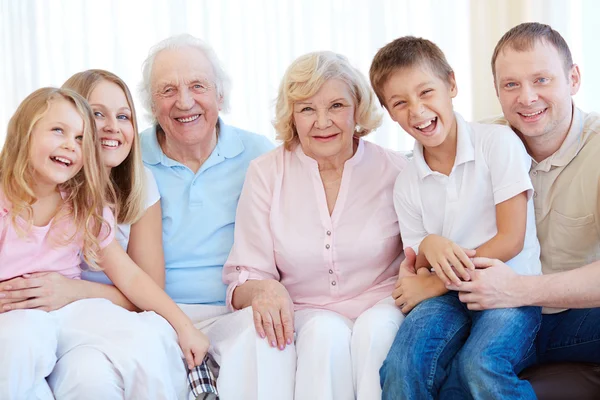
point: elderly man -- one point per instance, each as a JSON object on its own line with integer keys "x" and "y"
{"x": 200, "y": 163}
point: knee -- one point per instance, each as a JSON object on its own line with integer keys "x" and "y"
{"x": 85, "y": 372}
{"x": 378, "y": 323}
{"x": 327, "y": 327}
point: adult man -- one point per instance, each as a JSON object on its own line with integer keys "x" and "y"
{"x": 535, "y": 78}
{"x": 199, "y": 163}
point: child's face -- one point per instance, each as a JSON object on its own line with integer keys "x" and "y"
{"x": 55, "y": 150}
{"x": 113, "y": 122}
{"x": 421, "y": 103}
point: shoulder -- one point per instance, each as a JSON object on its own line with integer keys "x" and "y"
{"x": 253, "y": 143}
{"x": 269, "y": 163}
{"x": 495, "y": 120}
{"x": 390, "y": 158}
{"x": 408, "y": 181}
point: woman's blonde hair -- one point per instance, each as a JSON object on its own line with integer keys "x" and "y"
{"x": 305, "y": 76}
{"x": 84, "y": 201}
{"x": 127, "y": 178}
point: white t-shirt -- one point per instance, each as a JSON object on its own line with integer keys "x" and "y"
{"x": 123, "y": 230}
{"x": 491, "y": 166}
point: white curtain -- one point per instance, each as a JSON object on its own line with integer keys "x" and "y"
{"x": 43, "y": 42}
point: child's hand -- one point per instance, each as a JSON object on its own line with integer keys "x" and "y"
{"x": 194, "y": 345}
{"x": 447, "y": 258}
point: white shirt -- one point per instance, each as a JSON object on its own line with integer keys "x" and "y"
{"x": 123, "y": 230}
{"x": 491, "y": 166}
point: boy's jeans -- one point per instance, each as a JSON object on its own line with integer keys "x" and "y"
{"x": 443, "y": 350}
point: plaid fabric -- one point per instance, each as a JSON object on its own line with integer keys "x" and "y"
{"x": 203, "y": 380}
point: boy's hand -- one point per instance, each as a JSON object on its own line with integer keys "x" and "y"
{"x": 447, "y": 259}
{"x": 412, "y": 290}
{"x": 194, "y": 345}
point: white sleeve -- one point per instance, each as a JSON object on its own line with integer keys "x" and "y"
{"x": 410, "y": 219}
{"x": 508, "y": 162}
{"x": 152, "y": 193}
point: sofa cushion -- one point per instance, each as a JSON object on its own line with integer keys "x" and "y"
{"x": 560, "y": 381}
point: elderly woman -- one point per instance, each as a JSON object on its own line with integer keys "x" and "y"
{"x": 317, "y": 244}
{"x": 200, "y": 163}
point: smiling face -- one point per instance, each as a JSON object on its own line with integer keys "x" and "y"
{"x": 535, "y": 90}
{"x": 114, "y": 123}
{"x": 185, "y": 100}
{"x": 55, "y": 150}
{"x": 325, "y": 122}
{"x": 421, "y": 102}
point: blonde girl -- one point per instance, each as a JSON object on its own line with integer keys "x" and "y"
{"x": 52, "y": 211}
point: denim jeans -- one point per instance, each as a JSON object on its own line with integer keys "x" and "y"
{"x": 572, "y": 335}
{"x": 443, "y": 350}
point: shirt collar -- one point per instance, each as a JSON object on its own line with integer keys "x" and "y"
{"x": 570, "y": 147}
{"x": 229, "y": 145}
{"x": 465, "y": 151}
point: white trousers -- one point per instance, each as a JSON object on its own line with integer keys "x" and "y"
{"x": 88, "y": 349}
{"x": 154, "y": 369}
{"x": 338, "y": 358}
{"x": 249, "y": 368}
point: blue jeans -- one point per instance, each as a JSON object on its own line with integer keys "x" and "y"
{"x": 572, "y": 335}
{"x": 443, "y": 350}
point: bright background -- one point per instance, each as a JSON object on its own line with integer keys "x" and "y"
{"x": 43, "y": 42}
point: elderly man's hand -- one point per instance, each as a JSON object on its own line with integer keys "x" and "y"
{"x": 274, "y": 313}
{"x": 492, "y": 285}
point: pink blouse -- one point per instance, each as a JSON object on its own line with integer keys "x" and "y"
{"x": 345, "y": 262}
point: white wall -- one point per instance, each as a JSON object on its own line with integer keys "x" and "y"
{"x": 43, "y": 42}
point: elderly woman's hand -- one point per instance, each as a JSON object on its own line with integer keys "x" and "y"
{"x": 273, "y": 311}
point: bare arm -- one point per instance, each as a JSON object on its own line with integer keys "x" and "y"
{"x": 577, "y": 288}
{"x": 511, "y": 221}
{"x": 145, "y": 249}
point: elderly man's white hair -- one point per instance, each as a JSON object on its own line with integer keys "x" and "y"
{"x": 222, "y": 81}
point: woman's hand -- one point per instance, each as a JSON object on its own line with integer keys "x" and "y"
{"x": 46, "y": 291}
{"x": 194, "y": 345}
{"x": 274, "y": 313}
{"x": 447, "y": 259}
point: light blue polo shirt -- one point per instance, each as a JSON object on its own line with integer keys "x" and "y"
{"x": 198, "y": 211}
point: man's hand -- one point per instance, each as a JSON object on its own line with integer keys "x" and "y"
{"x": 493, "y": 285}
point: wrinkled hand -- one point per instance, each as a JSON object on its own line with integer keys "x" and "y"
{"x": 273, "y": 312}
{"x": 46, "y": 291}
{"x": 447, "y": 259}
{"x": 194, "y": 345}
{"x": 492, "y": 286}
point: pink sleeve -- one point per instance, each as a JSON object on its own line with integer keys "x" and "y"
{"x": 107, "y": 233}
{"x": 252, "y": 254}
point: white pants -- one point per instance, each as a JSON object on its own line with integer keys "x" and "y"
{"x": 88, "y": 349}
{"x": 249, "y": 368}
{"x": 338, "y": 358}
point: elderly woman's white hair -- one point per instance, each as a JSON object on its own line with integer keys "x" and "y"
{"x": 222, "y": 81}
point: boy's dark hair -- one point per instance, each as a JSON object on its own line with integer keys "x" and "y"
{"x": 406, "y": 52}
{"x": 523, "y": 37}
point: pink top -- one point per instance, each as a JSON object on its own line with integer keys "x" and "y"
{"x": 345, "y": 262}
{"x": 41, "y": 250}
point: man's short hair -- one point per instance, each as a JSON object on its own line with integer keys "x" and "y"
{"x": 523, "y": 37}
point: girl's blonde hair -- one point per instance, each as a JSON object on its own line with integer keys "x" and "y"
{"x": 303, "y": 79}
{"x": 128, "y": 178}
{"x": 85, "y": 192}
